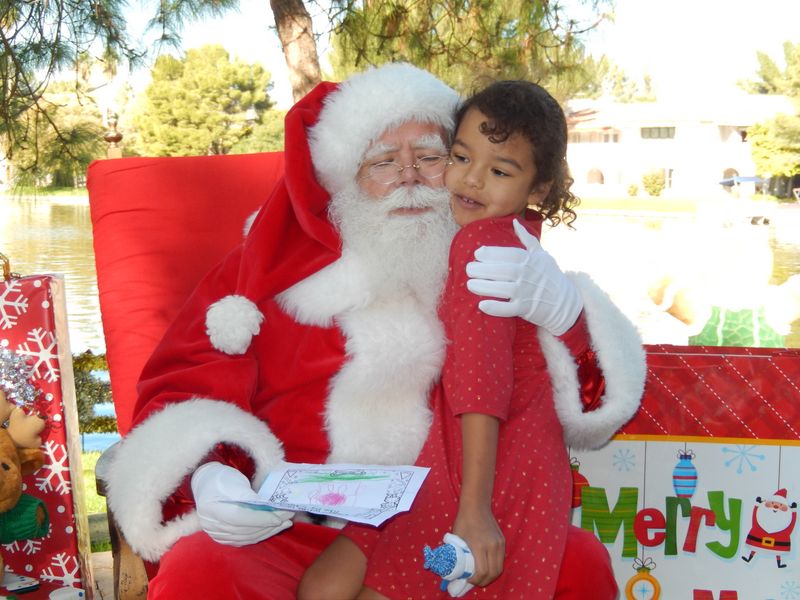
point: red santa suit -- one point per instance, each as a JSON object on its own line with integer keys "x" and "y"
{"x": 243, "y": 379}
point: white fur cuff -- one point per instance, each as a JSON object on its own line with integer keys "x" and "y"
{"x": 622, "y": 360}
{"x": 153, "y": 459}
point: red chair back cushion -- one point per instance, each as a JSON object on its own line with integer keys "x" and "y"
{"x": 159, "y": 225}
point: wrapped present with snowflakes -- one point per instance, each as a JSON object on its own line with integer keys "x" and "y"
{"x": 44, "y": 534}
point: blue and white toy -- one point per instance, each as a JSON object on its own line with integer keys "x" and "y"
{"x": 453, "y": 562}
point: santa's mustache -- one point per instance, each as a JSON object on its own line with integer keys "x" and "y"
{"x": 415, "y": 197}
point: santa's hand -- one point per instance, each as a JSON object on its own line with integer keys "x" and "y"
{"x": 529, "y": 279}
{"x": 216, "y": 488}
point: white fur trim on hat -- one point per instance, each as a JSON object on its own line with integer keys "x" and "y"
{"x": 231, "y": 324}
{"x": 155, "y": 457}
{"x": 622, "y": 360}
{"x": 362, "y": 108}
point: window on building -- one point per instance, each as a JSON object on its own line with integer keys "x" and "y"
{"x": 658, "y": 133}
{"x": 593, "y": 137}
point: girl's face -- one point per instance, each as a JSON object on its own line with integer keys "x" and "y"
{"x": 487, "y": 179}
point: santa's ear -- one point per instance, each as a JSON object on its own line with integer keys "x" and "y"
{"x": 31, "y": 460}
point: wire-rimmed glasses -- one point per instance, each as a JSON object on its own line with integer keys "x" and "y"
{"x": 386, "y": 172}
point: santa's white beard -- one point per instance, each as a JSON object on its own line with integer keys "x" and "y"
{"x": 773, "y": 521}
{"x": 399, "y": 253}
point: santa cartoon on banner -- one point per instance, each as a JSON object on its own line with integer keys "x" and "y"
{"x": 773, "y": 522}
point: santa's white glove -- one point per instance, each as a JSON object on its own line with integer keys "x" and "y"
{"x": 529, "y": 279}
{"x": 216, "y": 488}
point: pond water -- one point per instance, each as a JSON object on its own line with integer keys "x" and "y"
{"x": 55, "y": 236}
{"x": 623, "y": 253}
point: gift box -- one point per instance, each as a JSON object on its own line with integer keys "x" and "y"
{"x": 33, "y": 337}
{"x": 696, "y": 496}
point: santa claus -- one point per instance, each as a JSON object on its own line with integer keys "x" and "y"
{"x": 318, "y": 340}
{"x": 772, "y": 526}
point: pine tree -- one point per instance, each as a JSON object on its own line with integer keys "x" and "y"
{"x": 201, "y": 104}
{"x": 467, "y": 43}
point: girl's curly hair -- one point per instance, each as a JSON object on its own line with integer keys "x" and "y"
{"x": 527, "y": 109}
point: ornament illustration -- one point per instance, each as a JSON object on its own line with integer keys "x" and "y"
{"x": 643, "y": 586}
{"x": 684, "y": 475}
{"x": 579, "y": 482}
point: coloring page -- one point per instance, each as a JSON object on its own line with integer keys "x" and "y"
{"x": 368, "y": 494}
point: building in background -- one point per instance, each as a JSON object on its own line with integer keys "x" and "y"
{"x": 695, "y": 143}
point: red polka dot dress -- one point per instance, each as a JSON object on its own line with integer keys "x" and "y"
{"x": 494, "y": 366}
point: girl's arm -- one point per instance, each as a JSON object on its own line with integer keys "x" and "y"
{"x": 475, "y": 523}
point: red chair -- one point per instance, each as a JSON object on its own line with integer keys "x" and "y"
{"x": 159, "y": 225}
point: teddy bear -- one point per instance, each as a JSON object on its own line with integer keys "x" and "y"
{"x": 22, "y": 516}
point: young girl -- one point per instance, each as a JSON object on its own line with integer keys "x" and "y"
{"x": 500, "y": 477}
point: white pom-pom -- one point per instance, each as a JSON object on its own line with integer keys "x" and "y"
{"x": 231, "y": 324}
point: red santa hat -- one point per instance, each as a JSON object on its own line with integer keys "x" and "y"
{"x": 367, "y": 105}
{"x": 779, "y": 497}
{"x": 326, "y": 135}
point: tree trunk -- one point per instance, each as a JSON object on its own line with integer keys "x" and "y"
{"x": 299, "y": 48}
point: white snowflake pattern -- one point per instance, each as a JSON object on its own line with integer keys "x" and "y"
{"x": 790, "y": 590}
{"x": 64, "y": 569}
{"x": 41, "y": 345}
{"x": 12, "y": 547}
{"x": 31, "y": 546}
{"x": 17, "y": 303}
{"x": 743, "y": 455}
{"x": 55, "y": 472}
{"x": 624, "y": 459}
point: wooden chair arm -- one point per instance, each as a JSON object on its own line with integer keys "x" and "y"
{"x": 130, "y": 577}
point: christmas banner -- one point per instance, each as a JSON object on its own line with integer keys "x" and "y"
{"x": 44, "y": 535}
{"x": 697, "y": 497}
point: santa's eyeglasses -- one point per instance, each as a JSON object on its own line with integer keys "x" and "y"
{"x": 429, "y": 167}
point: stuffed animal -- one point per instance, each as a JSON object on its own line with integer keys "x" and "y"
{"x": 22, "y": 516}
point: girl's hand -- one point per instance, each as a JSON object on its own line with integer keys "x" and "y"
{"x": 479, "y": 529}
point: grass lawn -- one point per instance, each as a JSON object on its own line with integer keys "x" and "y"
{"x": 663, "y": 205}
{"x": 94, "y": 503}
